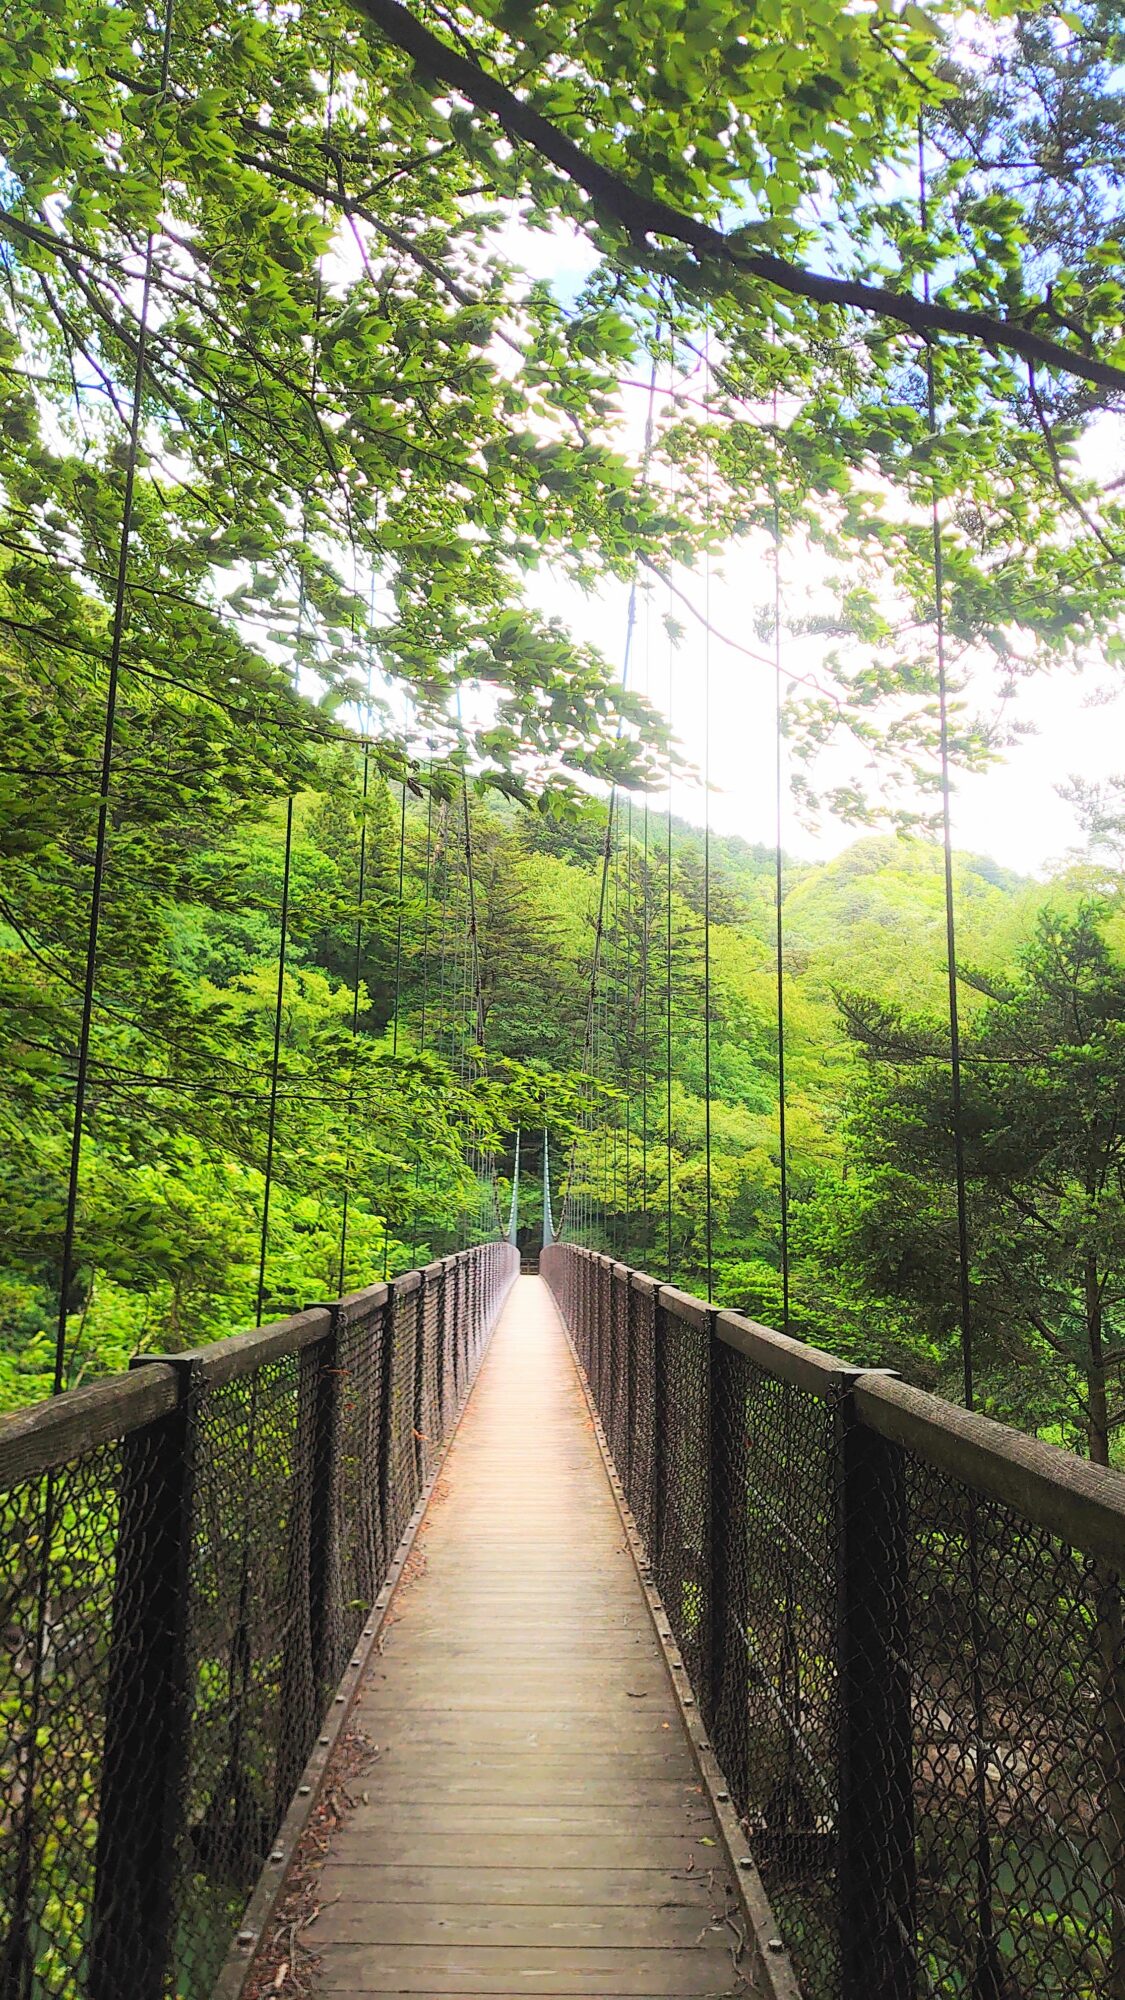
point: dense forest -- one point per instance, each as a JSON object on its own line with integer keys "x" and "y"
{"x": 462, "y": 1036}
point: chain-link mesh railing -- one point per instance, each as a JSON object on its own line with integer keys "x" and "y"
{"x": 191, "y": 1551}
{"x": 903, "y": 1626}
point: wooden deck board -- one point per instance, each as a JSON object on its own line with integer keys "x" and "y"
{"x": 533, "y": 1821}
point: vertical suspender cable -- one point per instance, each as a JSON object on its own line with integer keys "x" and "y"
{"x": 15, "y": 1970}
{"x": 487, "y": 1160}
{"x": 426, "y": 910}
{"x": 397, "y": 994}
{"x": 514, "y": 1210}
{"x": 668, "y": 1259}
{"x": 646, "y": 905}
{"x": 790, "y": 1662}
{"x": 287, "y": 857}
{"x": 590, "y": 1035}
{"x": 357, "y": 954}
{"x": 616, "y": 990}
{"x": 275, "y": 1059}
{"x": 398, "y": 924}
{"x": 709, "y": 1211}
{"x": 357, "y": 949}
{"x": 965, "y": 1295}
{"x": 423, "y": 1025}
{"x": 779, "y": 918}
{"x": 109, "y": 730}
{"x": 988, "y": 1974}
{"x": 627, "y": 1037}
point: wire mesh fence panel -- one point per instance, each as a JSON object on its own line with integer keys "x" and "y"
{"x": 256, "y": 1699}
{"x": 617, "y": 1374}
{"x": 429, "y": 1411}
{"x": 191, "y": 1552}
{"x": 680, "y": 1553}
{"x": 357, "y": 1388}
{"x": 1019, "y": 1756}
{"x": 782, "y": 1751}
{"x": 448, "y": 1362}
{"x": 401, "y": 1482}
{"x": 639, "y": 1469}
{"x": 56, "y": 1600}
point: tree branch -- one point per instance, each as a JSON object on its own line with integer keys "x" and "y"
{"x": 642, "y": 216}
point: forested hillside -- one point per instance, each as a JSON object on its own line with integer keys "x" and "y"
{"x": 414, "y": 1117}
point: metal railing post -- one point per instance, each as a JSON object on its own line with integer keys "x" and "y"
{"x": 447, "y": 1404}
{"x": 384, "y": 1450}
{"x": 323, "y": 1451}
{"x": 418, "y": 1411}
{"x": 728, "y": 1659}
{"x": 142, "y": 1806}
{"x": 605, "y": 1335}
{"x": 876, "y": 1856}
{"x": 630, "y": 1451}
{"x": 659, "y": 1422}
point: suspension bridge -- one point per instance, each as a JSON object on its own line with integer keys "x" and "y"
{"x": 480, "y": 1633}
{"x": 522, "y": 1622}
{"x": 515, "y": 1621}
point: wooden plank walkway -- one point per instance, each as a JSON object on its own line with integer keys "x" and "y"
{"x": 534, "y": 1822}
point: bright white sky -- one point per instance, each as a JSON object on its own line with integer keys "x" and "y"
{"x": 1012, "y": 813}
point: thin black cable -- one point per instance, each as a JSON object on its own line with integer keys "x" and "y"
{"x": 963, "y": 1263}
{"x": 109, "y": 725}
{"x": 607, "y": 844}
{"x": 630, "y": 1016}
{"x": 15, "y": 1971}
{"x": 645, "y": 922}
{"x": 443, "y": 956}
{"x": 275, "y": 1060}
{"x": 422, "y": 1029}
{"x": 356, "y": 960}
{"x": 615, "y": 1042}
{"x": 426, "y": 917}
{"x": 398, "y": 922}
{"x": 478, "y": 982}
{"x": 474, "y": 939}
{"x": 668, "y": 1203}
{"x": 287, "y": 859}
{"x": 709, "y": 1210}
{"x": 589, "y": 1033}
{"x": 397, "y": 997}
{"x": 779, "y": 917}
{"x": 988, "y": 1972}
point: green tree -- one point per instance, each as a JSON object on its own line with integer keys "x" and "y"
{"x": 1044, "y": 1132}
